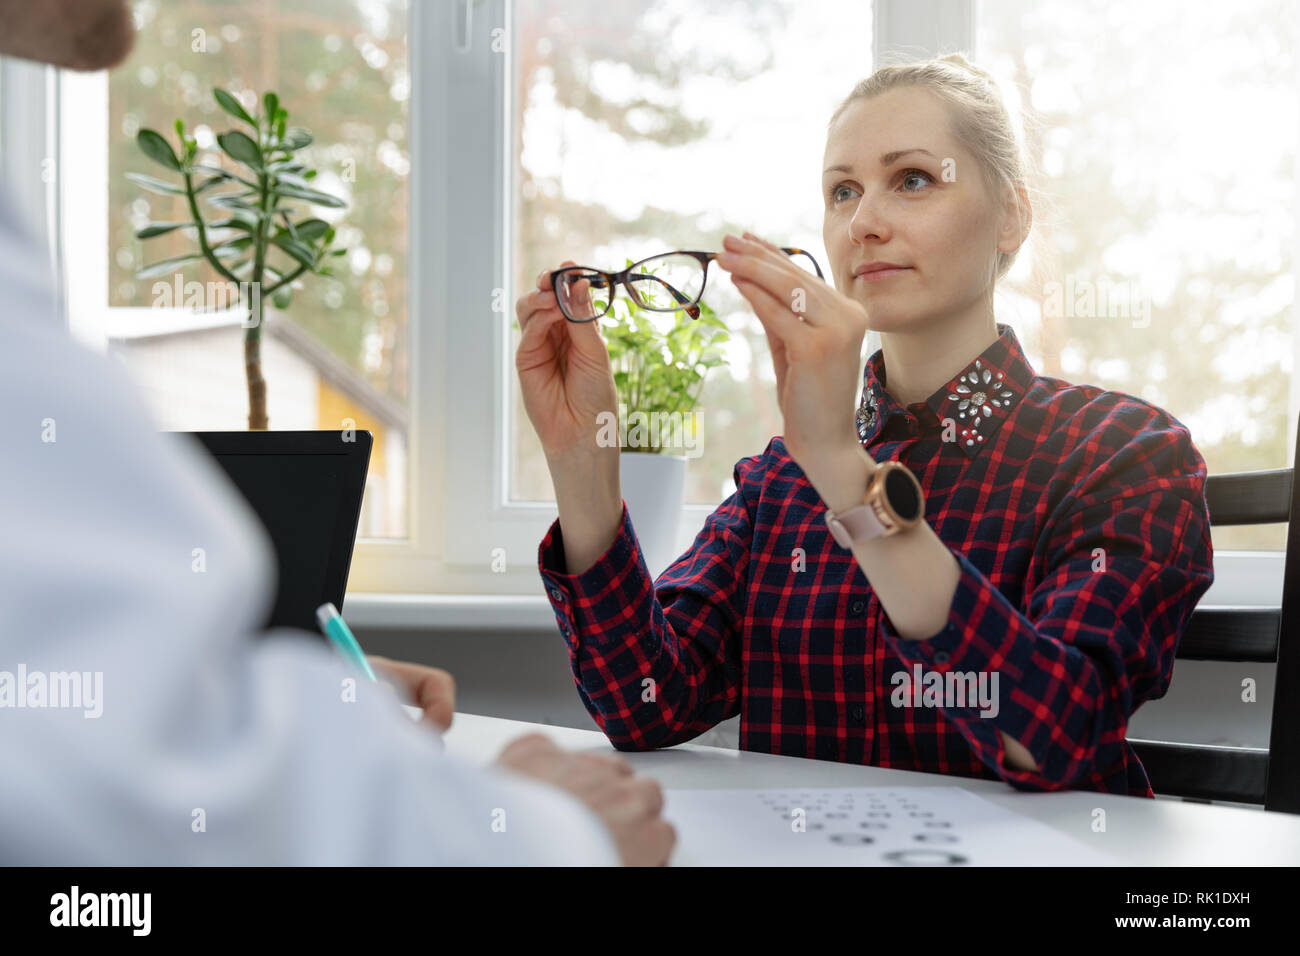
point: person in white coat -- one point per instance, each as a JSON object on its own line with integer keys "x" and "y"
{"x": 142, "y": 719}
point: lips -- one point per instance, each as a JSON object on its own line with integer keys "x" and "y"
{"x": 876, "y": 271}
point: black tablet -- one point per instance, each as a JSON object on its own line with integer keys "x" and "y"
{"x": 306, "y": 486}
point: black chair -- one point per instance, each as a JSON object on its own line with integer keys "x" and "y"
{"x": 1269, "y": 777}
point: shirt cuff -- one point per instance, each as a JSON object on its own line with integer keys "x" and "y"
{"x": 572, "y": 594}
{"x": 991, "y": 645}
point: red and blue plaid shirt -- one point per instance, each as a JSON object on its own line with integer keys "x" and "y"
{"x": 1078, "y": 518}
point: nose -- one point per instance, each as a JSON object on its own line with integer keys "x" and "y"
{"x": 867, "y": 222}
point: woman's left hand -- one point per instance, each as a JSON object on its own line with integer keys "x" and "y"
{"x": 815, "y": 334}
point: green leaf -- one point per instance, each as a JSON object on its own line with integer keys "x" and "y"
{"x": 283, "y": 298}
{"x": 237, "y": 244}
{"x": 309, "y": 230}
{"x": 160, "y": 228}
{"x": 232, "y": 106}
{"x": 207, "y": 184}
{"x": 166, "y": 266}
{"x": 271, "y": 103}
{"x": 298, "y": 250}
{"x": 156, "y": 148}
{"x": 224, "y": 174}
{"x": 239, "y": 219}
{"x": 236, "y": 202}
{"x": 239, "y": 147}
{"x": 292, "y": 179}
{"x": 156, "y": 185}
{"x": 309, "y": 195}
{"x": 296, "y": 138}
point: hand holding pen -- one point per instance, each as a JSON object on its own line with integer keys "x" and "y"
{"x": 431, "y": 689}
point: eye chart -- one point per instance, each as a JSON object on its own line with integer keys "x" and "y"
{"x": 863, "y": 826}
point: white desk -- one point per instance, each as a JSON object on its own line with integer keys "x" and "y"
{"x": 1138, "y": 831}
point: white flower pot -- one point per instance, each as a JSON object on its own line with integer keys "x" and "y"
{"x": 654, "y": 488}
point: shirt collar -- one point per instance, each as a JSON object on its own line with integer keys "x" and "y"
{"x": 978, "y": 399}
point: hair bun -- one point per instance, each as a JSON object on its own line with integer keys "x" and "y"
{"x": 957, "y": 59}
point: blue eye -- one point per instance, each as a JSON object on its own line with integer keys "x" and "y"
{"x": 910, "y": 173}
{"x": 907, "y": 175}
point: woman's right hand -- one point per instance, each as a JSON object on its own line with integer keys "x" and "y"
{"x": 564, "y": 372}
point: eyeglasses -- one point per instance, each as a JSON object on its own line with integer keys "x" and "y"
{"x": 670, "y": 282}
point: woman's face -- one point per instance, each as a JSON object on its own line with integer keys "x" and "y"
{"x": 927, "y": 210}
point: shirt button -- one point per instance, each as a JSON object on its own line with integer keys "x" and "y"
{"x": 859, "y": 712}
{"x": 941, "y": 657}
{"x": 857, "y": 607}
{"x": 557, "y": 594}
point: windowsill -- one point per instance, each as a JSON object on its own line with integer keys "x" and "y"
{"x": 450, "y": 612}
{"x": 1242, "y": 579}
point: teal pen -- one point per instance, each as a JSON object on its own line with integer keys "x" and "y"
{"x": 336, "y": 629}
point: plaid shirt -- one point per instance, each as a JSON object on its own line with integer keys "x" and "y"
{"x": 1079, "y": 521}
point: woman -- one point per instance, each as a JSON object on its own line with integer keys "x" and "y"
{"x": 1059, "y": 537}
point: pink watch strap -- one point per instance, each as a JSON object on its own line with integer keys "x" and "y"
{"x": 862, "y": 523}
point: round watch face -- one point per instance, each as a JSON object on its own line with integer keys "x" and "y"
{"x": 903, "y": 495}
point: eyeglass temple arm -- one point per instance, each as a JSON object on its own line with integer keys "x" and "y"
{"x": 791, "y": 250}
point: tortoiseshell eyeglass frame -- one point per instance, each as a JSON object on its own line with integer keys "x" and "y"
{"x": 610, "y": 280}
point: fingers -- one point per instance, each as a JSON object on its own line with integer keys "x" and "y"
{"x": 763, "y": 242}
{"x": 432, "y": 689}
{"x": 632, "y": 809}
{"x": 752, "y": 266}
{"x": 779, "y": 363}
{"x": 544, "y": 280}
{"x": 523, "y": 752}
{"x": 628, "y": 805}
{"x": 540, "y": 307}
{"x": 775, "y": 315}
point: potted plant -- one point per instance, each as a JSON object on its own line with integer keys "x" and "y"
{"x": 660, "y": 361}
{"x": 261, "y": 243}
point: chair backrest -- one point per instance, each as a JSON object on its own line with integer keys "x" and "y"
{"x": 1255, "y": 634}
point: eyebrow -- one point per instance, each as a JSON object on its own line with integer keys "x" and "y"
{"x": 886, "y": 159}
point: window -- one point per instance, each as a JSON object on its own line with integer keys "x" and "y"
{"x": 338, "y": 355}
{"x": 545, "y": 130}
{"x": 650, "y": 126}
{"x": 1167, "y": 135}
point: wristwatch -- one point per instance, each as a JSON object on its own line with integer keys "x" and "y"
{"x": 893, "y": 503}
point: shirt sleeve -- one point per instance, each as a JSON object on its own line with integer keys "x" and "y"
{"x": 658, "y": 663}
{"x": 135, "y": 580}
{"x": 1113, "y": 581}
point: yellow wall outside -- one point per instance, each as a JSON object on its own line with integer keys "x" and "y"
{"x": 335, "y": 406}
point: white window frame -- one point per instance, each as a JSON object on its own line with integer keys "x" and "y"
{"x": 459, "y": 259}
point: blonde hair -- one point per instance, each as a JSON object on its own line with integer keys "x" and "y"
{"x": 980, "y": 121}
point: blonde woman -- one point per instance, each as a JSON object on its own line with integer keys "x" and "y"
{"x": 985, "y": 572}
